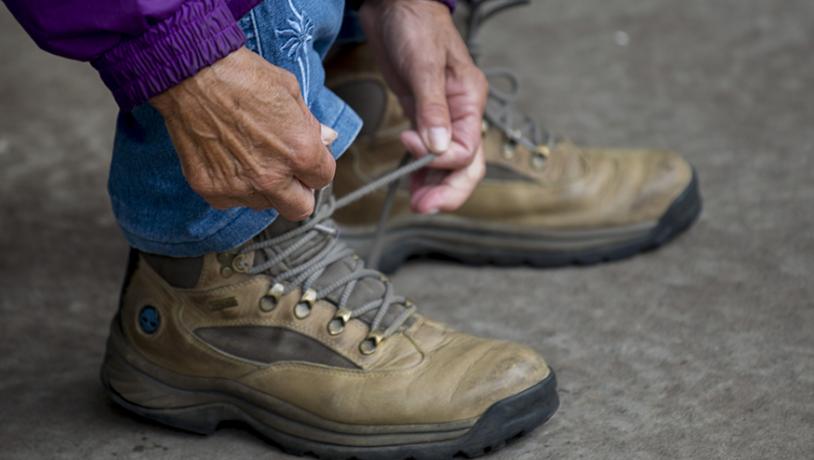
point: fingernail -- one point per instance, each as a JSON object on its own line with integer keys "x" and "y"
{"x": 439, "y": 139}
{"x": 328, "y": 135}
{"x": 433, "y": 205}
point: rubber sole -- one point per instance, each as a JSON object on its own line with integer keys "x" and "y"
{"x": 477, "y": 246}
{"x": 502, "y": 423}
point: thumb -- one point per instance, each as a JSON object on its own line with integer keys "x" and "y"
{"x": 432, "y": 113}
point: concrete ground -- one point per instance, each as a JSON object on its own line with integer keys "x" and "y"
{"x": 702, "y": 350}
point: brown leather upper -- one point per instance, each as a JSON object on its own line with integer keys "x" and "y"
{"x": 572, "y": 187}
{"x": 426, "y": 373}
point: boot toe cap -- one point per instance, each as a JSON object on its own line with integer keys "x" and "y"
{"x": 502, "y": 371}
{"x": 656, "y": 178}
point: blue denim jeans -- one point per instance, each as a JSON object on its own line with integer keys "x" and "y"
{"x": 154, "y": 205}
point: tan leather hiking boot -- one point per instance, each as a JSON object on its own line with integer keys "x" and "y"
{"x": 544, "y": 201}
{"x": 293, "y": 336}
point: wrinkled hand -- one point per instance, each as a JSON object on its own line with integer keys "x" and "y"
{"x": 246, "y": 138}
{"x": 427, "y": 65}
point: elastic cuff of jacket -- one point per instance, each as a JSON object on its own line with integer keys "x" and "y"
{"x": 198, "y": 34}
{"x": 450, "y": 4}
{"x": 356, "y": 4}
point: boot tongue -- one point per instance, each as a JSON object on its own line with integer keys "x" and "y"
{"x": 366, "y": 290}
{"x": 277, "y": 228}
{"x": 281, "y": 226}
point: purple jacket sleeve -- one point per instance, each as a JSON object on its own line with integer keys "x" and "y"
{"x": 449, "y": 3}
{"x": 139, "y": 47}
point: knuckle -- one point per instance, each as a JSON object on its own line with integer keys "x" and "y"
{"x": 307, "y": 154}
{"x": 477, "y": 80}
{"x": 301, "y": 215}
{"x": 328, "y": 169}
{"x": 467, "y": 155}
{"x": 482, "y": 84}
{"x": 299, "y": 160}
{"x": 267, "y": 184}
{"x": 459, "y": 158}
{"x": 299, "y": 145}
{"x": 480, "y": 172}
{"x": 428, "y": 66}
{"x": 478, "y": 77}
{"x": 290, "y": 81}
{"x": 302, "y": 210}
{"x": 203, "y": 188}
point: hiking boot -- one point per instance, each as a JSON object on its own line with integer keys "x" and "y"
{"x": 544, "y": 201}
{"x": 292, "y": 335}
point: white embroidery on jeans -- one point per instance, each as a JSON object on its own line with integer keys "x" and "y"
{"x": 299, "y": 34}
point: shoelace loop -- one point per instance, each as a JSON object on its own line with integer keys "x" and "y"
{"x": 502, "y": 113}
{"x": 304, "y": 275}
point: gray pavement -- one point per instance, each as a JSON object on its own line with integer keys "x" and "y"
{"x": 702, "y": 350}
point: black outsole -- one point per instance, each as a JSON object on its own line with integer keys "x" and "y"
{"x": 503, "y": 423}
{"x": 679, "y": 217}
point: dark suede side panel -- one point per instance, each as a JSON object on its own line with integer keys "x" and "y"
{"x": 271, "y": 344}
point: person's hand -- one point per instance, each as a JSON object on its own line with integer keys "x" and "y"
{"x": 246, "y": 138}
{"x": 427, "y": 65}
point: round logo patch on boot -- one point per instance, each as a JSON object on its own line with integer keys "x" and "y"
{"x": 149, "y": 319}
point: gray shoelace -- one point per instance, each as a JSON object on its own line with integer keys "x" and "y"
{"x": 501, "y": 111}
{"x": 305, "y": 274}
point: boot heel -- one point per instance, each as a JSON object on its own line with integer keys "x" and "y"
{"x": 147, "y": 397}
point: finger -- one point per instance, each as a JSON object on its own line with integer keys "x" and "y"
{"x": 424, "y": 181}
{"x": 294, "y": 201}
{"x": 311, "y": 161}
{"x": 328, "y": 135}
{"x": 467, "y": 90}
{"x": 453, "y": 191}
{"x": 241, "y": 195}
{"x": 432, "y": 118}
{"x": 413, "y": 143}
{"x": 317, "y": 173}
{"x": 225, "y": 202}
{"x": 258, "y": 202}
{"x": 456, "y": 157}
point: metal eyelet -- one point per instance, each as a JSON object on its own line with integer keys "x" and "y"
{"x": 340, "y": 319}
{"x": 303, "y": 307}
{"x": 509, "y": 150}
{"x": 484, "y": 127}
{"x": 267, "y": 304}
{"x": 269, "y": 301}
{"x": 371, "y": 343}
{"x": 232, "y": 263}
{"x": 240, "y": 263}
{"x": 544, "y": 150}
{"x": 538, "y": 160}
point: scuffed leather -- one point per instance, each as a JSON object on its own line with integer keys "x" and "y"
{"x": 425, "y": 374}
